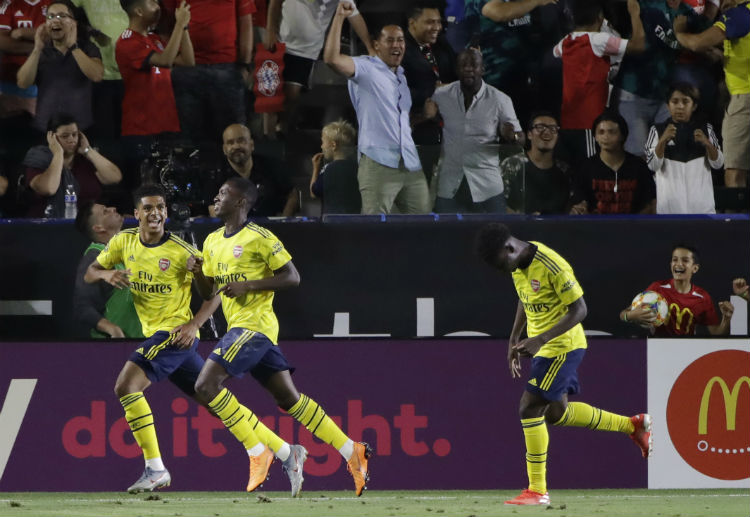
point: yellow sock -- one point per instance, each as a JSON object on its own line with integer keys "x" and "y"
{"x": 264, "y": 434}
{"x": 236, "y": 417}
{"x": 579, "y": 414}
{"x": 141, "y": 422}
{"x": 309, "y": 413}
{"x": 537, "y": 441}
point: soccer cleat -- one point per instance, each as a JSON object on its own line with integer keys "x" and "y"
{"x": 259, "y": 466}
{"x": 150, "y": 480}
{"x": 527, "y": 497}
{"x": 357, "y": 466}
{"x": 293, "y": 467}
{"x": 642, "y": 435}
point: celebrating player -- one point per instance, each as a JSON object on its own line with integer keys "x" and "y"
{"x": 689, "y": 305}
{"x": 244, "y": 264}
{"x": 551, "y": 308}
{"x": 157, "y": 274}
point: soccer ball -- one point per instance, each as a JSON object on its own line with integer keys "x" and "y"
{"x": 656, "y": 303}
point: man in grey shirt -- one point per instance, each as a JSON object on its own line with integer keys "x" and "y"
{"x": 475, "y": 116}
{"x": 389, "y": 169}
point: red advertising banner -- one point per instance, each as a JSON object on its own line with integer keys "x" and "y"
{"x": 428, "y": 408}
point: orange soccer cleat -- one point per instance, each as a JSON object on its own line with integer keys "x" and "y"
{"x": 527, "y": 497}
{"x": 259, "y": 466}
{"x": 642, "y": 435}
{"x": 357, "y": 466}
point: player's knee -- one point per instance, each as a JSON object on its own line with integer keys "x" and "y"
{"x": 206, "y": 389}
{"x": 122, "y": 389}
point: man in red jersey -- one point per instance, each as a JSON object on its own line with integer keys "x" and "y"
{"x": 689, "y": 305}
{"x": 211, "y": 95}
{"x": 148, "y": 107}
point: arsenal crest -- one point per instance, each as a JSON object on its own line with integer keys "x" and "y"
{"x": 237, "y": 251}
{"x": 535, "y": 285}
{"x": 164, "y": 264}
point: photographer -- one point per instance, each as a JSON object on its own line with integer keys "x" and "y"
{"x": 66, "y": 171}
{"x": 681, "y": 152}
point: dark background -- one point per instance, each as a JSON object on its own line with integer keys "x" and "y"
{"x": 375, "y": 268}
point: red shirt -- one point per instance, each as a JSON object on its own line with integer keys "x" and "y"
{"x": 148, "y": 107}
{"x": 213, "y": 27}
{"x": 587, "y": 58}
{"x": 685, "y": 310}
{"x": 18, "y": 14}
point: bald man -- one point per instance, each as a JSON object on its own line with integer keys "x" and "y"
{"x": 277, "y": 195}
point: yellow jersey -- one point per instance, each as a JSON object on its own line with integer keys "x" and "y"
{"x": 160, "y": 281}
{"x": 735, "y": 24}
{"x": 545, "y": 289}
{"x": 251, "y": 253}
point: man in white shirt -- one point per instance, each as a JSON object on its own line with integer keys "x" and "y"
{"x": 475, "y": 116}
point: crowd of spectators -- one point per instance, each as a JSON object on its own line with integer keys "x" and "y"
{"x": 493, "y": 106}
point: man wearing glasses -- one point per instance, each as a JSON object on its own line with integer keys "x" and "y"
{"x": 537, "y": 183}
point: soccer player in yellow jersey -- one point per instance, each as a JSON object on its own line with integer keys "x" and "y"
{"x": 156, "y": 271}
{"x": 551, "y": 308}
{"x": 244, "y": 264}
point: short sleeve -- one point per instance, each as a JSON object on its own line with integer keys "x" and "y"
{"x": 245, "y": 7}
{"x": 273, "y": 252}
{"x": 735, "y": 22}
{"x": 508, "y": 112}
{"x": 131, "y": 52}
{"x": 111, "y": 255}
{"x": 708, "y": 316}
{"x": 362, "y": 67}
{"x": 208, "y": 263}
{"x": 604, "y": 44}
{"x": 565, "y": 284}
{"x": 91, "y": 50}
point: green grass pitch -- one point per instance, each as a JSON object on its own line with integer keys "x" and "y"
{"x": 565, "y": 503}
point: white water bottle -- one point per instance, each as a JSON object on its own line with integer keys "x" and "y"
{"x": 71, "y": 202}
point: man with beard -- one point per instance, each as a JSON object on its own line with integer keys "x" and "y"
{"x": 475, "y": 115}
{"x": 276, "y": 194}
{"x": 390, "y": 172}
{"x": 99, "y": 309}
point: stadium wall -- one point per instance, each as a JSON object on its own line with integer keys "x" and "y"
{"x": 402, "y": 277}
{"x": 441, "y": 414}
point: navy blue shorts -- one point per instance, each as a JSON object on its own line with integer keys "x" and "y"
{"x": 551, "y": 378}
{"x": 160, "y": 360}
{"x": 242, "y": 350}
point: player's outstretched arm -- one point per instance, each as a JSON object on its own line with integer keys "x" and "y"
{"x": 119, "y": 278}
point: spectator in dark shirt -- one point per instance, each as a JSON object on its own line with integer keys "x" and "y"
{"x": 277, "y": 196}
{"x": 613, "y": 181}
{"x": 428, "y": 62}
{"x": 537, "y": 183}
{"x": 335, "y": 181}
{"x": 67, "y": 166}
{"x": 64, "y": 66}
{"x": 99, "y": 309}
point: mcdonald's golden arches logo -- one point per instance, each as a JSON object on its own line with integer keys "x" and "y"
{"x": 708, "y": 414}
{"x": 678, "y": 314}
